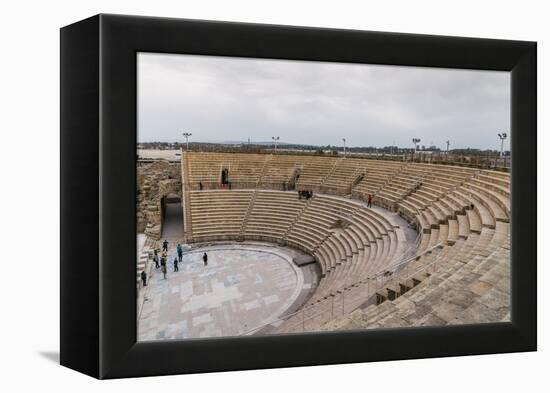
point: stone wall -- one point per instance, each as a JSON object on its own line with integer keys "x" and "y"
{"x": 155, "y": 180}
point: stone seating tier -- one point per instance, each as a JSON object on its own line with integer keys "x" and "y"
{"x": 463, "y": 215}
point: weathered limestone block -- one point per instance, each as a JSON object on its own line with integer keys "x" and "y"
{"x": 154, "y": 181}
{"x": 153, "y": 231}
{"x": 153, "y": 218}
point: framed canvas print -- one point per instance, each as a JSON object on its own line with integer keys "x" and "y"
{"x": 239, "y": 196}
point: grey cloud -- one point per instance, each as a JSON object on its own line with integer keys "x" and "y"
{"x": 222, "y": 98}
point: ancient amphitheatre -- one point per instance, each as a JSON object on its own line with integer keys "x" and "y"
{"x": 433, "y": 250}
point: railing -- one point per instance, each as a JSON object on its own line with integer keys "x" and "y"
{"x": 185, "y": 198}
{"x": 248, "y": 211}
{"x": 417, "y": 182}
{"x": 350, "y": 297}
{"x": 298, "y": 216}
{"x": 356, "y": 178}
{"x": 330, "y": 172}
{"x": 491, "y": 162}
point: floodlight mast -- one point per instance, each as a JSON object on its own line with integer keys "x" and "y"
{"x": 344, "y": 140}
{"x": 416, "y": 141}
{"x": 275, "y": 139}
{"x": 502, "y": 137}
{"x": 448, "y": 144}
{"x": 187, "y": 135}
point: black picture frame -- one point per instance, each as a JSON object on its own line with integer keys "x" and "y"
{"x": 98, "y": 183}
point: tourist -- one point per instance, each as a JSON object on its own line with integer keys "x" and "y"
{"x": 165, "y": 245}
{"x": 164, "y": 271}
{"x": 179, "y": 249}
{"x": 205, "y": 259}
{"x": 200, "y": 185}
{"x": 156, "y": 257}
{"x": 144, "y": 278}
{"x": 369, "y": 201}
{"x": 163, "y": 260}
{"x": 176, "y": 265}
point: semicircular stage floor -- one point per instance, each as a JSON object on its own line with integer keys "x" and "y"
{"x": 244, "y": 286}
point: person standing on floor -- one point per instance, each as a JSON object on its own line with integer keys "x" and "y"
{"x": 156, "y": 259}
{"x": 163, "y": 260}
{"x": 205, "y": 259}
{"x": 176, "y": 265}
{"x": 144, "y": 278}
{"x": 164, "y": 271}
{"x": 165, "y": 245}
{"x": 369, "y": 201}
{"x": 179, "y": 249}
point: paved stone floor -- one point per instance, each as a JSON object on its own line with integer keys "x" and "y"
{"x": 243, "y": 287}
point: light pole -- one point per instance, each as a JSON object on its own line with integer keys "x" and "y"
{"x": 275, "y": 139}
{"x": 448, "y": 144}
{"x": 344, "y": 140}
{"x": 187, "y": 135}
{"x": 416, "y": 141}
{"x": 502, "y": 137}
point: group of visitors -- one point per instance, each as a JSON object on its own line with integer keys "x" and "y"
{"x": 162, "y": 259}
{"x": 305, "y": 194}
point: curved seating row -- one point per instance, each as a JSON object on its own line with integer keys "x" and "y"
{"x": 470, "y": 285}
{"x": 218, "y": 215}
{"x": 465, "y": 281}
{"x": 346, "y": 238}
{"x": 463, "y": 215}
{"x": 206, "y": 168}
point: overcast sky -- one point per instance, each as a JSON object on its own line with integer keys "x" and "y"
{"x": 232, "y": 99}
